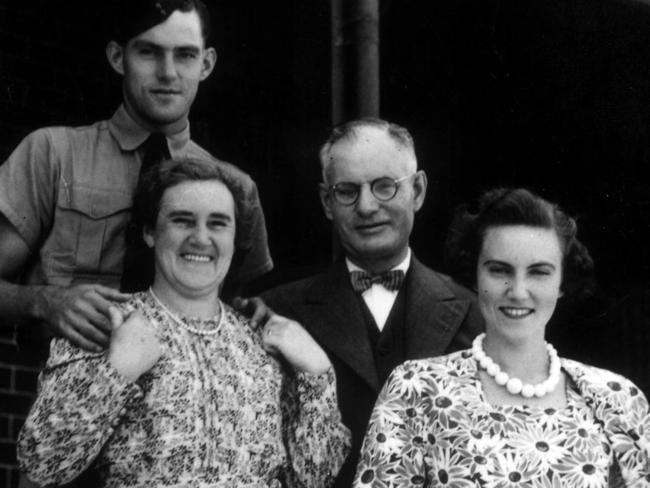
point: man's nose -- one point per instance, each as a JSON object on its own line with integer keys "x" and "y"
{"x": 367, "y": 202}
{"x": 166, "y": 66}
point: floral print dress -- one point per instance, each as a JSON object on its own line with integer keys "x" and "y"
{"x": 432, "y": 426}
{"x": 214, "y": 411}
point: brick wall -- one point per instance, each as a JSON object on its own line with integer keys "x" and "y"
{"x": 18, "y": 375}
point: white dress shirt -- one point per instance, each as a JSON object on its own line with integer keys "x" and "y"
{"x": 378, "y": 299}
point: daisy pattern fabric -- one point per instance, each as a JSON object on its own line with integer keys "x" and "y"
{"x": 214, "y": 411}
{"x": 432, "y": 426}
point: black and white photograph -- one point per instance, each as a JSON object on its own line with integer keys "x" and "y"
{"x": 330, "y": 243}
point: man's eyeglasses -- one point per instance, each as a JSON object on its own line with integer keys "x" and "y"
{"x": 384, "y": 189}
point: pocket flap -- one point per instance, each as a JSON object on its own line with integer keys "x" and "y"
{"x": 97, "y": 203}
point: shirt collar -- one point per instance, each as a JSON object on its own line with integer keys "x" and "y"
{"x": 404, "y": 265}
{"x": 130, "y": 135}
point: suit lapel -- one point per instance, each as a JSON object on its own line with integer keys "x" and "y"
{"x": 336, "y": 321}
{"x": 433, "y": 313}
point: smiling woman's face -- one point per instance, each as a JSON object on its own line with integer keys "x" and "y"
{"x": 194, "y": 237}
{"x": 519, "y": 273}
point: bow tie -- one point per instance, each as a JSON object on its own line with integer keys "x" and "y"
{"x": 391, "y": 280}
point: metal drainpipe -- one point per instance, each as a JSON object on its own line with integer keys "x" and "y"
{"x": 355, "y": 66}
{"x": 355, "y": 59}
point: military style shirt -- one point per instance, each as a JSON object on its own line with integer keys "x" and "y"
{"x": 69, "y": 191}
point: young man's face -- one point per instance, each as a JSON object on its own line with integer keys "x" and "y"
{"x": 162, "y": 68}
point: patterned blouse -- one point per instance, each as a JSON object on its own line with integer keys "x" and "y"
{"x": 215, "y": 410}
{"x": 432, "y": 426}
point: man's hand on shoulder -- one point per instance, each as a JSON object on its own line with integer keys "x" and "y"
{"x": 254, "y": 308}
{"x": 290, "y": 339}
{"x": 79, "y": 313}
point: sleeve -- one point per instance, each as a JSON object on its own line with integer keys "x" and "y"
{"x": 390, "y": 455}
{"x": 81, "y": 399}
{"x": 624, "y": 412}
{"x": 315, "y": 437}
{"x": 253, "y": 258}
{"x": 28, "y": 181}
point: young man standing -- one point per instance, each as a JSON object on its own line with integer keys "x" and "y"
{"x": 66, "y": 193}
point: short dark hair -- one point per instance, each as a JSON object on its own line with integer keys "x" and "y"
{"x": 133, "y": 17}
{"x": 516, "y": 206}
{"x": 348, "y": 130}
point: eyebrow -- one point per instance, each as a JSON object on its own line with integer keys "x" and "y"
{"x": 504, "y": 263}
{"x": 142, "y": 43}
{"x": 187, "y": 47}
{"x": 187, "y": 213}
{"x": 488, "y": 262}
{"x": 542, "y": 264}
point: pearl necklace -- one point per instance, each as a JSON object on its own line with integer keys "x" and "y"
{"x": 185, "y": 326}
{"x": 514, "y": 385}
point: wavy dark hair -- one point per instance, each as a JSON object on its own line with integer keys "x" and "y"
{"x": 131, "y": 18}
{"x": 148, "y": 196}
{"x": 516, "y": 206}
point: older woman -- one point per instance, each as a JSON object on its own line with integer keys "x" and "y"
{"x": 509, "y": 412}
{"x": 187, "y": 394}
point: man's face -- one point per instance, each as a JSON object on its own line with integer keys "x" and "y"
{"x": 162, "y": 68}
{"x": 373, "y": 233}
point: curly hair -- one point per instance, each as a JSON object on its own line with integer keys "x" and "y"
{"x": 516, "y": 206}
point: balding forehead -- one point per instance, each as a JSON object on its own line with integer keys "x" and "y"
{"x": 369, "y": 130}
{"x": 370, "y": 135}
{"x": 367, "y": 133}
{"x": 365, "y": 142}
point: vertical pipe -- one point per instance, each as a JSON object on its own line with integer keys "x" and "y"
{"x": 355, "y": 66}
{"x": 355, "y": 59}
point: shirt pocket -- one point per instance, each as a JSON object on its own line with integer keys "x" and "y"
{"x": 87, "y": 235}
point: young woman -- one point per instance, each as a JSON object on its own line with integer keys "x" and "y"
{"x": 509, "y": 412}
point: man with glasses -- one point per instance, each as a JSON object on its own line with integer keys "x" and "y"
{"x": 380, "y": 306}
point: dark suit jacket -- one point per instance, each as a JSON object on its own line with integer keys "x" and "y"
{"x": 441, "y": 317}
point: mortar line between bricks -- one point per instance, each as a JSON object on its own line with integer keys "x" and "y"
{"x": 19, "y": 367}
{"x": 12, "y": 392}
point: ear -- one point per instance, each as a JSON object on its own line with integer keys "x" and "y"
{"x": 325, "y": 200}
{"x": 209, "y": 60}
{"x": 147, "y": 237}
{"x": 115, "y": 56}
{"x": 419, "y": 189}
